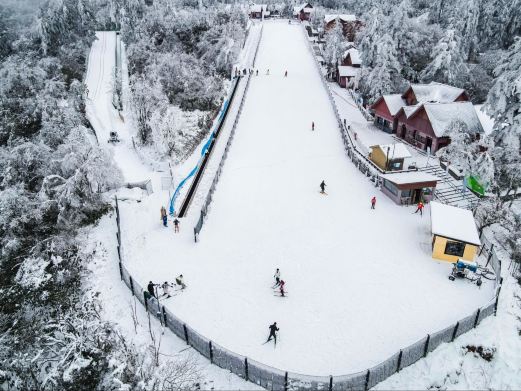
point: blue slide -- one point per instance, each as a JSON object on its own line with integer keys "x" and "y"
{"x": 204, "y": 150}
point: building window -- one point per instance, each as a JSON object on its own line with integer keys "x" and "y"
{"x": 391, "y": 187}
{"x": 455, "y": 248}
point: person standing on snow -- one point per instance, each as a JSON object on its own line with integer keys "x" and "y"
{"x": 286, "y": 74}
{"x": 277, "y": 277}
{"x": 163, "y": 216}
{"x": 419, "y": 208}
{"x": 268, "y": 71}
{"x": 323, "y": 187}
{"x": 273, "y": 332}
{"x": 151, "y": 290}
{"x": 257, "y": 72}
{"x": 312, "y": 125}
{"x": 373, "y": 202}
{"x": 176, "y": 225}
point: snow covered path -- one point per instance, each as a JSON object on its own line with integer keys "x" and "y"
{"x": 101, "y": 113}
{"x": 361, "y": 283}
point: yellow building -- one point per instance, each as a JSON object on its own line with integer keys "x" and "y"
{"x": 454, "y": 233}
{"x": 389, "y": 157}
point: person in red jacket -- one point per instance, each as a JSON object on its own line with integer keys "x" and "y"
{"x": 373, "y": 202}
{"x": 420, "y": 208}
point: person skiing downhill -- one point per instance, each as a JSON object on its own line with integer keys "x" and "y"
{"x": 176, "y": 226}
{"x": 373, "y": 202}
{"x": 286, "y": 74}
{"x": 420, "y": 208}
{"x": 268, "y": 71}
{"x": 273, "y": 332}
{"x": 323, "y": 187}
{"x": 281, "y": 287}
{"x": 312, "y": 125}
{"x": 277, "y": 277}
{"x": 163, "y": 216}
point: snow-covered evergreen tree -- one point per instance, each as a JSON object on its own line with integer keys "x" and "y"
{"x": 447, "y": 65}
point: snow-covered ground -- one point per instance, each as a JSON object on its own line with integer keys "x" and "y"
{"x": 103, "y": 117}
{"x": 361, "y": 283}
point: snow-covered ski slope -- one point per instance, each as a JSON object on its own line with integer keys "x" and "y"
{"x": 100, "y": 111}
{"x": 361, "y": 282}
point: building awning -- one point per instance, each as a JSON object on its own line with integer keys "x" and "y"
{"x": 454, "y": 223}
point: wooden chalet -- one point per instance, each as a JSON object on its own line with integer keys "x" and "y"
{"x": 351, "y": 25}
{"x": 303, "y": 11}
{"x": 422, "y": 114}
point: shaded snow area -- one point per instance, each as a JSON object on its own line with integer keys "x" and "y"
{"x": 103, "y": 117}
{"x": 361, "y": 283}
{"x": 118, "y": 301}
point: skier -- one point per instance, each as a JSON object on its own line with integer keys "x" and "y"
{"x": 419, "y": 208}
{"x": 176, "y": 225}
{"x": 273, "y": 332}
{"x": 373, "y": 202}
{"x": 268, "y": 71}
{"x": 166, "y": 289}
{"x": 257, "y": 72}
{"x": 281, "y": 288}
{"x": 163, "y": 216}
{"x": 355, "y": 136}
{"x": 344, "y": 122}
{"x": 277, "y": 277}
{"x": 151, "y": 290}
{"x": 179, "y": 281}
{"x": 286, "y": 74}
{"x": 312, "y": 125}
{"x": 323, "y": 187}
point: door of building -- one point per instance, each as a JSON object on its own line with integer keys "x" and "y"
{"x": 416, "y": 196}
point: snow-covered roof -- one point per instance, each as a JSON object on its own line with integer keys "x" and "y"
{"x": 354, "y": 54}
{"x": 302, "y": 7}
{"x": 442, "y": 114}
{"x": 347, "y": 71}
{"x": 258, "y": 7}
{"x": 436, "y": 92}
{"x": 405, "y": 178}
{"x": 396, "y": 151}
{"x": 454, "y": 223}
{"x": 486, "y": 122}
{"x": 342, "y": 17}
{"x": 394, "y": 103}
{"x": 408, "y": 110}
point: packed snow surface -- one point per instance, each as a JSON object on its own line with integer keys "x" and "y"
{"x": 361, "y": 283}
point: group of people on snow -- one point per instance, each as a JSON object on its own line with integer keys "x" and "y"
{"x": 151, "y": 287}
{"x": 238, "y": 72}
{"x": 164, "y": 218}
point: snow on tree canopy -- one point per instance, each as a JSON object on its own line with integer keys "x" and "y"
{"x": 436, "y": 92}
{"x": 32, "y": 273}
{"x": 394, "y": 103}
{"x": 342, "y": 17}
{"x": 442, "y": 115}
{"x": 454, "y": 223}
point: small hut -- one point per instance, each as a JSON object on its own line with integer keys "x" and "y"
{"x": 407, "y": 188}
{"x": 454, "y": 233}
{"x": 389, "y": 157}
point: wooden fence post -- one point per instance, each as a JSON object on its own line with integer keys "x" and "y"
{"x": 132, "y": 285}
{"x": 477, "y": 318}
{"x": 286, "y": 383}
{"x": 399, "y": 360}
{"x": 366, "y": 386}
{"x": 246, "y": 369}
{"x": 186, "y": 333}
{"x": 211, "y": 351}
{"x": 330, "y": 383}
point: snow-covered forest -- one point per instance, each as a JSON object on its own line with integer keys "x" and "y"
{"x": 57, "y": 182}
